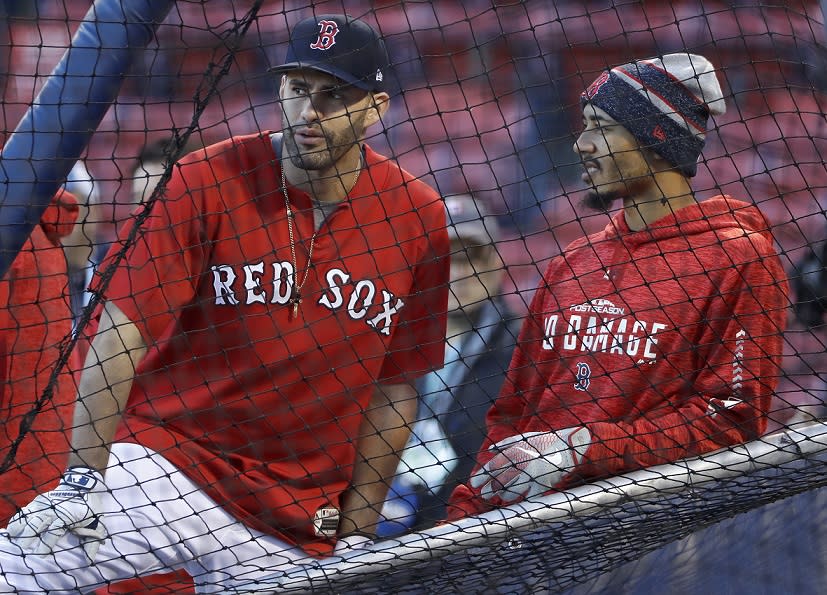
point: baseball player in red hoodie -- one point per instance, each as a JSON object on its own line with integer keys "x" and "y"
{"x": 655, "y": 339}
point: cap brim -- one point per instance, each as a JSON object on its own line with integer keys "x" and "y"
{"x": 327, "y": 69}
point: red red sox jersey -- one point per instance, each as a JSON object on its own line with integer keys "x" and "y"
{"x": 665, "y": 343}
{"x": 258, "y": 407}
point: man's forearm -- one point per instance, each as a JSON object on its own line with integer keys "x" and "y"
{"x": 383, "y": 434}
{"x": 104, "y": 387}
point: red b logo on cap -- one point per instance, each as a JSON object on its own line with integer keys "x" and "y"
{"x": 595, "y": 86}
{"x": 327, "y": 35}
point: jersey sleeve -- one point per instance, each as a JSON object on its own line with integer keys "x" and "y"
{"x": 418, "y": 344}
{"x": 729, "y": 400}
{"x": 160, "y": 270}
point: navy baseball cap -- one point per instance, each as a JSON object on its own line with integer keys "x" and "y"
{"x": 339, "y": 45}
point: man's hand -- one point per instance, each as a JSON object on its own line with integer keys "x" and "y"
{"x": 71, "y": 507}
{"x": 529, "y": 465}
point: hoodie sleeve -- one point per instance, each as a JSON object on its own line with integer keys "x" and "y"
{"x": 728, "y": 402}
{"x": 523, "y": 385}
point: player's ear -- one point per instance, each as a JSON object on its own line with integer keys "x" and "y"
{"x": 379, "y": 105}
{"x": 282, "y": 85}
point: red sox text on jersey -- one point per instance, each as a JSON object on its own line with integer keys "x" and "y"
{"x": 358, "y": 296}
{"x": 587, "y": 330}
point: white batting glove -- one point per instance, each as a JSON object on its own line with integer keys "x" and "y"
{"x": 528, "y": 465}
{"x": 71, "y": 506}
{"x": 351, "y": 542}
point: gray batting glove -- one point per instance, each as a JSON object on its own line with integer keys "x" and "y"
{"x": 71, "y": 507}
{"x": 528, "y": 465}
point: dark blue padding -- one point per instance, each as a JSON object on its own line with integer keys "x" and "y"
{"x": 57, "y": 127}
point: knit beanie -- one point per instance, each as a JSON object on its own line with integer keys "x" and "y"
{"x": 664, "y": 102}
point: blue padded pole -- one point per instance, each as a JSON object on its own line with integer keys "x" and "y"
{"x": 58, "y": 125}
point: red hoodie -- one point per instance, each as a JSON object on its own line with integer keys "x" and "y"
{"x": 35, "y": 318}
{"x": 665, "y": 343}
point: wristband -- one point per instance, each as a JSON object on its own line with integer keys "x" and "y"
{"x": 81, "y": 478}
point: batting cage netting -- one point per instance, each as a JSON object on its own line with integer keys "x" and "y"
{"x": 413, "y": 297}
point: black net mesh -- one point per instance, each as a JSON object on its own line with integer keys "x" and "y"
{"x": 260, "y": 405}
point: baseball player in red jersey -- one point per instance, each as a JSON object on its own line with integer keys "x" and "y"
{"x": 35, "y": 317}
{"x": 655, "y": 339}
{"x": 248, "y": 389}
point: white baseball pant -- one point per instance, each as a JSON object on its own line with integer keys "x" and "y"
{"x": 158, "y": 520}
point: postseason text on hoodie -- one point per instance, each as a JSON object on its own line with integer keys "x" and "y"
{"x": 665, "y": 343}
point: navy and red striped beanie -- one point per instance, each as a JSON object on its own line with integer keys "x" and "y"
{"x": 664, "y": 102}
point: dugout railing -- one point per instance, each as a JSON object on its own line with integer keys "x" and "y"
{"x": 549, "y": 544}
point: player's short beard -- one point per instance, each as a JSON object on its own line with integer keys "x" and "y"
{"x": 336, "y": 145}
{"x": 600, "y": 201}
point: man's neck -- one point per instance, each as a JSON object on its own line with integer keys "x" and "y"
{"x": 670, "y": 192}
{"x": 328, "y": 185}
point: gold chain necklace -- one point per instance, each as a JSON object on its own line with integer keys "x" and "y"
{"x": 296, "y": 293}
